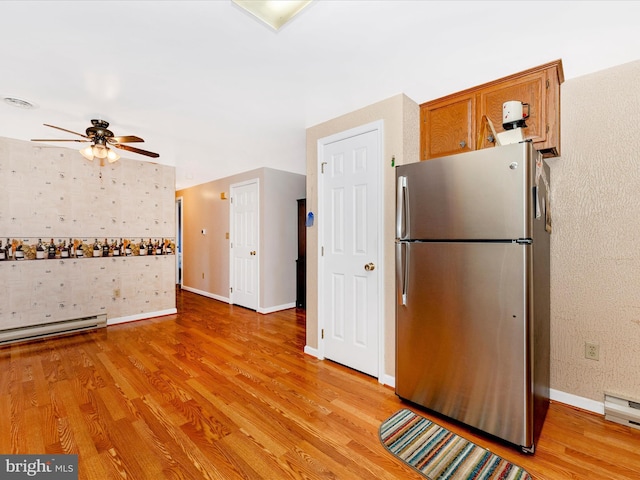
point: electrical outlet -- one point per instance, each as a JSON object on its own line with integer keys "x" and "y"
{"x": 591, "y": 351}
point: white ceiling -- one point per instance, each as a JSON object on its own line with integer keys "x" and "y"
{"x": 216, "y": 93}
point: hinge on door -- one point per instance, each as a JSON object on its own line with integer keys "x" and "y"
{"x": 322, "y": 167}
{"x": 322, "y": 333}
{"x": 231, "y": 289}
{"x": 322, "y": 251}
{"x": 548, "y": 84}
{"x": 547, "y": 129}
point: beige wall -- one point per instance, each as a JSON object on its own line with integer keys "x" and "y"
{"x": 595, "y": 254}
{"x": 206, "y": 257}
{"x": 401, "y": 139}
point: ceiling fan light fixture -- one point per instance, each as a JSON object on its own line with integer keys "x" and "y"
{"x": 87, "y": 153}
{"x": 112, "y": 156}
{"x": 100, "y": 151}
{"x": 101, "y": 139}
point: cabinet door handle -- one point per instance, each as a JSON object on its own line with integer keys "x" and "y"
{"x": 463, "y": 144}
{"x": 490, "y": 139}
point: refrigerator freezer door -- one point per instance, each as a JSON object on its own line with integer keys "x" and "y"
{"x": 480, "y": 195}
{"x": 462, "y": 333}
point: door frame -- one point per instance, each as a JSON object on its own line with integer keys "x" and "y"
{"x": 232, "y": 187}
{"x": 178, "y": 242}
{"x": 377, "y": 126}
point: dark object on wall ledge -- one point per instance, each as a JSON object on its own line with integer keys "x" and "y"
{"x": 301, "y": 262}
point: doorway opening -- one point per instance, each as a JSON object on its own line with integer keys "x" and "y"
{"x": 179, "y": 275}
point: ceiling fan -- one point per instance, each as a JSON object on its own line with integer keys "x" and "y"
{"x": 101, "y": 139}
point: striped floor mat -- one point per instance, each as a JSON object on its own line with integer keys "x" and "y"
{"x": 439, "y": 454}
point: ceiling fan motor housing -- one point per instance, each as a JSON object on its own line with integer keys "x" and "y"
{"x": 99, "y": 132}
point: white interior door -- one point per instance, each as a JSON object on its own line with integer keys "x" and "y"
{"x": 244, "y": 242}
{"x": 349, "y": 287}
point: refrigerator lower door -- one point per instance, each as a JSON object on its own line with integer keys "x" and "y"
{"x": 462, "y": 342}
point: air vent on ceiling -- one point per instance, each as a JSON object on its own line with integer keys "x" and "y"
{"x": 19, "y": 103}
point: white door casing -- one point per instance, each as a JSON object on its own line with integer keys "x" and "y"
{"x": 350, "y": 232}
{"x": 178, "y": 242}
{"x": 244, "y": 242}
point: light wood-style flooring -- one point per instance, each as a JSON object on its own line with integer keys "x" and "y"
{"x": 221, "y": 392}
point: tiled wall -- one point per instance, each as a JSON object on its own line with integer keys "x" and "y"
{"x": 53, "y": 290}
{"x": 50, "y": 192}
{"x": 54, "y": 192}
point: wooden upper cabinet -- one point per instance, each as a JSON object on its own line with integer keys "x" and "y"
{"x": 449, "y": 127}
{"x": 529, "y": 90}
{"x": 456, "y": 123}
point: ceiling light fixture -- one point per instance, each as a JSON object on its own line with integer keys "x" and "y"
{"x": 101, "y": 152}
{"x": 274, "y": 13}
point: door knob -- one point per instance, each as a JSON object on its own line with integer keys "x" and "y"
{"x": 369, "y": 266}
{"x": 252, "y": 252}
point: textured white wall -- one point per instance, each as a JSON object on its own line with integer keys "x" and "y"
{"x": 595, "y": 264}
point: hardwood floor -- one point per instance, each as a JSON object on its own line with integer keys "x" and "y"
{"x": 221, "y": 392}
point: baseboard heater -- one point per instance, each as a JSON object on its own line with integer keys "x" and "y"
{"x": 65, "y": 327}
{"x": 622, "y": 410}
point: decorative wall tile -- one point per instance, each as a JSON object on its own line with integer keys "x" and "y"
{"x": 54, "y": 193}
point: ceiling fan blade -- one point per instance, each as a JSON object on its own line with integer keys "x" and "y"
{"x": 137, "y": 150}
{"x": 125, "y": 139}
{"x": 59, "y": 140}
{"x": 65, "y": 130}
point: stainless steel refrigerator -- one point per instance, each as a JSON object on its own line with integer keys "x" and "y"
{"x": 472, "y": 279}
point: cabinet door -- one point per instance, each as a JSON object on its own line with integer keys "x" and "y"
{"x": 448, "y": 127}
{"x": 529, "y": 89}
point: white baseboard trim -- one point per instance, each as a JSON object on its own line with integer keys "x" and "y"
{"x": 385, "y": 379}
{"x": 141, "y": 316}
{"x": 277, "y": 308}
{"x": 556, "y": 395}
{"x": 206, "y": 294}
{"x": 220, "y": 298}
{"x": 388, "y": 380}
{"x": 576, "y": 401}
{"x": 312, "y": 351}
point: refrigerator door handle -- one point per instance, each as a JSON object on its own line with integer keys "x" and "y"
{"x": 402, "y": 207}
{"x": 403, "y": 274}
